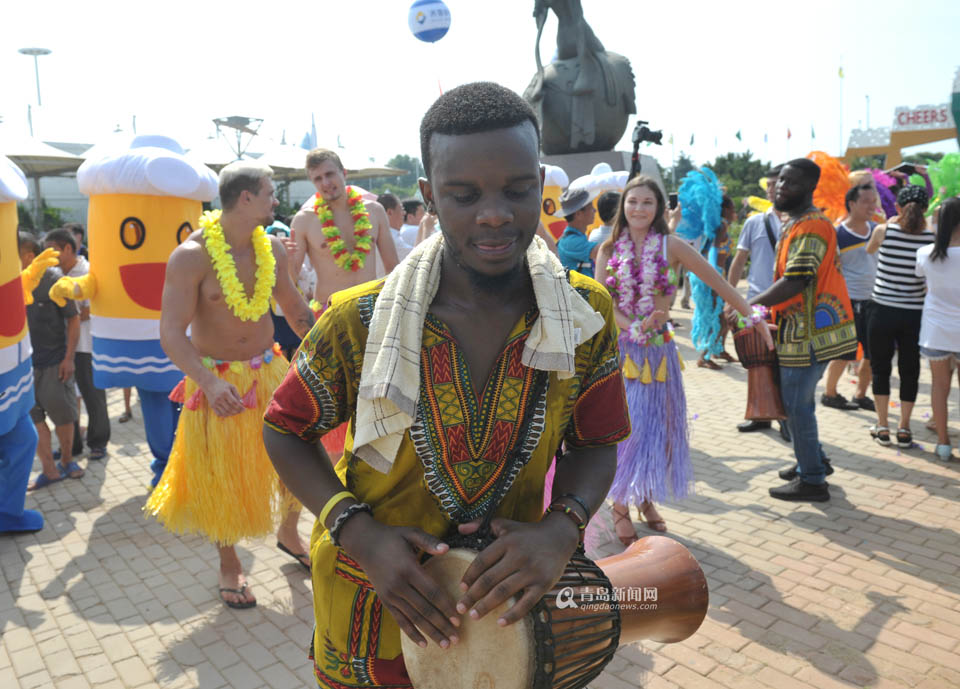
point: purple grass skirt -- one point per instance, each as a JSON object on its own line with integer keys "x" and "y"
{"x": 655, "y": 460}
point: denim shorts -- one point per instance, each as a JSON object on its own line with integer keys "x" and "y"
{"x": 938, "y": 354}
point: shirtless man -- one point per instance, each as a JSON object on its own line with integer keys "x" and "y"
{"x": 232, "y": 368}
{"x": 326, "y": 172}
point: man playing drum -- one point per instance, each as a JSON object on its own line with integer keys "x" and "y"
{"x": 460, "y": 375}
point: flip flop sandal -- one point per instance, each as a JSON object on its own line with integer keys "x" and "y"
{"x": 99, "y": 453}
{"x": 67, "y": 471}
{"x": 726, "y": 357}
{"x": 42, "y": 481}
{"x": 302, "y": 558}
{"x": 237, "y": 605}
{"x": 709, "y": 363}
{"x": 125, "y": 416}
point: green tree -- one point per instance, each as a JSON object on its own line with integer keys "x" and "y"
{"x": 681, "y": 167}
{"x": 739, "y": 173}
{"x": 405, "y": 186}
{"x": 922, "y": 158}
{"x": 405, "y": 162}
{"x": 52, "y": 217}
{"x": 864, "y": 162}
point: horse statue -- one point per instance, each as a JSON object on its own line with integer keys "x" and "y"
{"x": 584, "y": 97}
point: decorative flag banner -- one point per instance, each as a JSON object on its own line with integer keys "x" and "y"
{"x": 691, "y": 139}
{"x": 789, "y": 133}
{"x": 739, "y": 138}
{"x": 764, "y": 137}
{"x": 671, "y": 139}
{"x": 813, "y": 134}
{"x": 840, "y": 72}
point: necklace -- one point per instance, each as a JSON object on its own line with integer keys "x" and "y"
{"x": 634, "y": 285}
{"x": 234, "y": 294}
{"x": 348, "y": 260}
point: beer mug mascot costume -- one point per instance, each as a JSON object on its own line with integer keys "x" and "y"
{"x": 18, "y": 435}
{"x": 144, "y": 201}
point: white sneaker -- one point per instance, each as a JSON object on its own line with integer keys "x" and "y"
{"x": 944, "y": 452}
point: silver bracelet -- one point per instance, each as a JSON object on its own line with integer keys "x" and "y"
{"x": 344, "y": 516}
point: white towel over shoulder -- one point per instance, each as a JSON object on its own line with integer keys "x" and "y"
{"x": 390, "y": 379}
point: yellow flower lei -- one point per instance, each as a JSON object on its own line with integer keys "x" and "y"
{"x": 233, "y": 291}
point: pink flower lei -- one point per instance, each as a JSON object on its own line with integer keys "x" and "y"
{"x": 633, "y": 286}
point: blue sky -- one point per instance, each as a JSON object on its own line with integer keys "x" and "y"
{"x": 703, "y": 68}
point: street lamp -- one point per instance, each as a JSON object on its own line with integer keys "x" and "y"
{"x": 35, "y": 52}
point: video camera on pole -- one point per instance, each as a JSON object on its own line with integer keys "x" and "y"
{"x": 641, "y": 133}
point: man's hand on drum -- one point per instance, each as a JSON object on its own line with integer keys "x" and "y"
{"x": 390, "y": 557}
{"x": 525, "y": 559}
{"x": 765, "y": 331}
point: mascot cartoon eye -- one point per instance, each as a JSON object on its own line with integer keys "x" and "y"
{"x": 184, "y": 231}
{"x": 549, "y": 207}
{"x": 132, "y": 233}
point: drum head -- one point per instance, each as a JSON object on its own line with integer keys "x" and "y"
{"x": 488, "y": 656}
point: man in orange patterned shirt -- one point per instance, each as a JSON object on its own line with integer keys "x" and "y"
{"x": 814, "y": 321}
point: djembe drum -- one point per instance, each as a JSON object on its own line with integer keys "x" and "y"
{"x": 653, "y": 590}
{"x": 763, "y": 390}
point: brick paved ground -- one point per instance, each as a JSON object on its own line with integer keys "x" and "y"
{"x": 860, "y": 592}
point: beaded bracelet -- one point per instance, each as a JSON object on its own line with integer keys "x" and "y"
{"x": 570, "y": 512}
{"x": 577, "y": 499}
{"x": 344, "y": 516}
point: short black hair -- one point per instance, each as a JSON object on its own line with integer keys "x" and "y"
{"x": 410, "y": 206}
{"x": 61, "y": 237}
{"x": 480, "y": 106}
{"x": 809, "y": 169}
{"x": 26, "y": 241}
{"x": 775, "y": 170}
{"x": 852, "y": 196}
{"x": 75, "y": 228}
{"x": 607, "y": 206}
{"x": 727, "y": 202}
{"x": 388, "y": 201}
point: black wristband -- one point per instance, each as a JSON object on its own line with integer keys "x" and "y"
{"x": 342, "y": 518}
{"x": 577, "y": 499}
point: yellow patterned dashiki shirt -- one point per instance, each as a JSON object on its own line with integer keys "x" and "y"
{"x": 820, "y": 317}
{"x": 448, "y": 461}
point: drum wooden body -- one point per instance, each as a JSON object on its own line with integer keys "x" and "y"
{"x": 550, "y": 648}
{"x": 574, "y": 631}
{"x": 763, "y": 391}
{"x": 660, "y": 564}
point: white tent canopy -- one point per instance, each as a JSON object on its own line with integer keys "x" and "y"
{"x": 37, "y": 160}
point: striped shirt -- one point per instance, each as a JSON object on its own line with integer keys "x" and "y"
{"x": 897, "y": 283}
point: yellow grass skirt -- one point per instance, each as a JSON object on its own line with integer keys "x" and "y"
{"x": 219, "y": 481}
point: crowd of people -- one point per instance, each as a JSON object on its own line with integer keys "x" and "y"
{"x": 485, "y": 354}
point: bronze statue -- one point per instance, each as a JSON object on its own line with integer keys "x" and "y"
{"x": 585, "y": 96}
